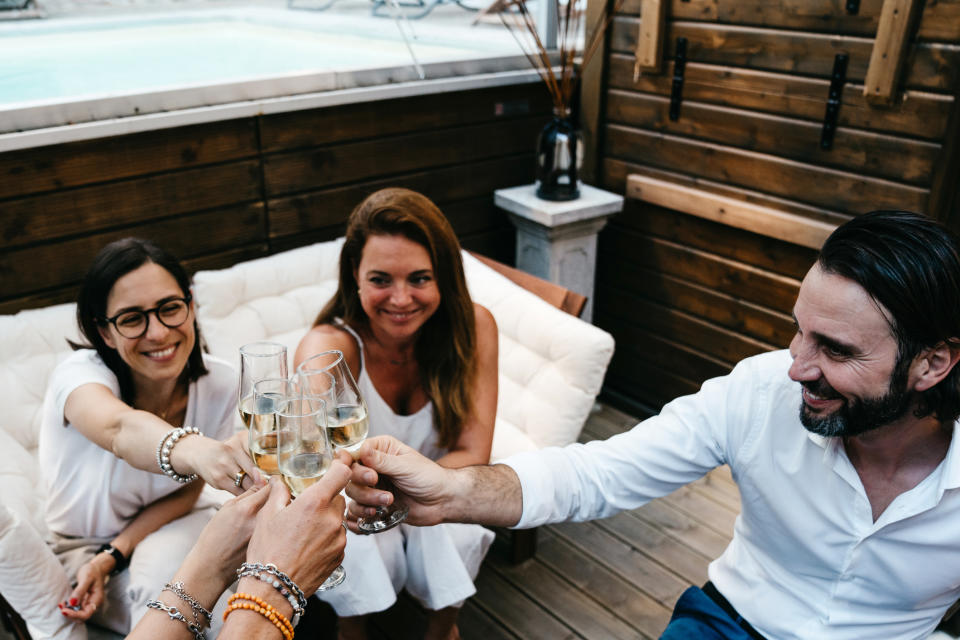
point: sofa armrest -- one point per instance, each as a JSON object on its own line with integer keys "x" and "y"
{"x": 33, "y": 581}
{"x": 558, "y": 296}
{"x": 551, "y": 364}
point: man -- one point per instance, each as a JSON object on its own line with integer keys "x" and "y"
{"x": 842, "y": 448}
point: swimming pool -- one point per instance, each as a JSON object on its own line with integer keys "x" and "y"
{"x": 123, "y": 73}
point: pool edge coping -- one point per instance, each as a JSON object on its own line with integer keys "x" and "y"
{"x": 19, "y": 140}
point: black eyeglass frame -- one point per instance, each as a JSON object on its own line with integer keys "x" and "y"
{"x": 146, "y": 314}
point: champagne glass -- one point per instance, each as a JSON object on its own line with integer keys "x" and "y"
{"x": 304, "y": 452}
{"x": 268, "y": 394}
{"x": 258, "y": 360}
{"x": 328, "y": 376}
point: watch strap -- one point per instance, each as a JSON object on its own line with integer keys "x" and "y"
{"x": 120, "y": 561}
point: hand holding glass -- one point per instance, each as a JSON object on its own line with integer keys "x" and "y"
{"x": 327, "y": 375}
{"x": 304, "y": 452}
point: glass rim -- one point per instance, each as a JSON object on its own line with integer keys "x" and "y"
{"x": 291, "y": 381}
{"x": 337, "y": 360}
{"x": 247, "y": 349}
{"x": 287, "y": 401}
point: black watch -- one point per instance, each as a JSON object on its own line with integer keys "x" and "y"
{"x": 119, "y": 559}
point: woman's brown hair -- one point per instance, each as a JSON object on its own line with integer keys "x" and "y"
{"x": 446, "y": 344}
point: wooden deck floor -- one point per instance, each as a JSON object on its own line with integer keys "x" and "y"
{"x": 613, "y": 578}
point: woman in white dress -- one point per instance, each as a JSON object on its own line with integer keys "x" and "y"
{"x": 425, "y": 359}
{"x": 119, "y": 522}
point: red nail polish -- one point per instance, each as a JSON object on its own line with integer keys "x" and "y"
{"x": 74, "y": 602}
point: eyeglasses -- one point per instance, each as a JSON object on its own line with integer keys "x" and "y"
{"x": 134, "y": 324}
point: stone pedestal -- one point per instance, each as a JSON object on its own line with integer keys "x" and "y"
{"x": 557, "y": 241}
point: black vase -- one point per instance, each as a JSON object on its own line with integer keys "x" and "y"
{"x": 558, "y": 159}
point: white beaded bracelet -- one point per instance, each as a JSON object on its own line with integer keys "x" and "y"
{"x": 166, "y": 446}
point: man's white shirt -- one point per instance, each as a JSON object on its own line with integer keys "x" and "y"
{"x": 806, "y": 560}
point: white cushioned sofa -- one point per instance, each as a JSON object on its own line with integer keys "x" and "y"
{"x": 551, "y": 368}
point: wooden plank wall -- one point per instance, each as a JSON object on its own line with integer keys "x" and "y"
{"x": 216, "y": 194}
{"x": 686, "y": 298}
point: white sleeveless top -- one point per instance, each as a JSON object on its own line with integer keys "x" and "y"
{"x": 436, "y": 565}
{"x": 415, "y": 430}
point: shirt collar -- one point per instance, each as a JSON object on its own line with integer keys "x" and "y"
{"x": 951, "y": 464}
{"x": 950, "y": 474}
{"x": 949, "y": 469}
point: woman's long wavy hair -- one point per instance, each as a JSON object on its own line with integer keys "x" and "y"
{"x": 114, "y": 261}
{"x": 445, "y": 346}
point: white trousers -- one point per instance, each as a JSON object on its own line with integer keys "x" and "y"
{"x": 436, "y": 565}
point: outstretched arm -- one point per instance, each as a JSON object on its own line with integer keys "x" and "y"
{"x": 481, "y": 494}
{"x": 303, "y": 538}
{"x": 133, "y": 435}
{"x": 210, "y": 566}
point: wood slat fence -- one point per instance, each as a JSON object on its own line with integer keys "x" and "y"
{"x": 686, "y": 298}
{"x": 215, "y": 194}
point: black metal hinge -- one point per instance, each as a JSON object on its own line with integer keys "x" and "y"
{"x": 676, "y": 92}
{"x": 837, "y": 79}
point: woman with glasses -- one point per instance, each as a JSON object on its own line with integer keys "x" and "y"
{"x": 133, "y": 423}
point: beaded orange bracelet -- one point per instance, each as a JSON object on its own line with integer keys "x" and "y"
{"x": 264, "y": 608}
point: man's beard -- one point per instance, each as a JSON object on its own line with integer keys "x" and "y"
{"x": 860, "y": 416}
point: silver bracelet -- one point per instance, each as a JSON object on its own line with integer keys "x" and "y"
{"x": 174, "y": 614}
{"x": 166, "y": 446}
{"x": 280, "y": 581}
{"x": 177, "y": 589}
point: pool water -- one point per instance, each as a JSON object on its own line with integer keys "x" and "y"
{"x": 77, "y": 58}
{"x": 97, "y": 62}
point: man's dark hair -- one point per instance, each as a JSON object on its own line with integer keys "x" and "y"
{"x": 910, "y": 265}
{"x": 114, "y": 261}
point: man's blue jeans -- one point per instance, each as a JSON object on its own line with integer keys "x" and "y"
{"x": 698, "y": 617}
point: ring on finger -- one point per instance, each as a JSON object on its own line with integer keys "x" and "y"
{"x": 238, "y": 478}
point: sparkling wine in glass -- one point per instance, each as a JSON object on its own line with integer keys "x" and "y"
{"x": 267, "y": 396}
{"x": 328, "y": 376}
{"x": 304, "y": 451}
{"x": 258, "y": 360}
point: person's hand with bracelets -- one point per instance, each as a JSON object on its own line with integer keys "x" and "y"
{"x": 302, "y": 541}
{"x": 291, "y": 552}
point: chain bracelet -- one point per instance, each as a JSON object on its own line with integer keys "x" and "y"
{"x": 287, "y": 587}
{"x": 198, "y": 610}
{"x": 174, "y": 614}
{"x": 166, "y": 446}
